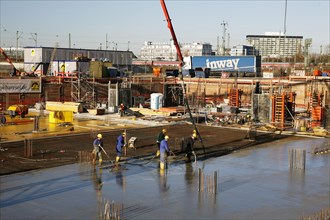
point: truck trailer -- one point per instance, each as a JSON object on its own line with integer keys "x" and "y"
{"x": 224, "y": 65}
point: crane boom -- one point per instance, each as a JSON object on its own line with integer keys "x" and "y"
{"x": 16, "y": 71}
{"x": 170, "y": 26}
{"x": 178, "y": 50}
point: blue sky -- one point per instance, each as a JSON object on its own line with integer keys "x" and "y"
{"x": 129, "y": 23}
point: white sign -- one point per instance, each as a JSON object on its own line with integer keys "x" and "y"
{"x": 20, "y": 85}
{"x": 268, "y": 75}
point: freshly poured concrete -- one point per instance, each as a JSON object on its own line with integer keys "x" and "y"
{"x": 253, "y": 183}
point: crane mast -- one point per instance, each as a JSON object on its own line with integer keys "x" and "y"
{"x": 170, "y": 26}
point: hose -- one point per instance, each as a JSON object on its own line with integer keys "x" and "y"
{"x": 194, "y": 156}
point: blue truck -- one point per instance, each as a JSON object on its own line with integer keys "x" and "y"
{"x": 217, "y": 65}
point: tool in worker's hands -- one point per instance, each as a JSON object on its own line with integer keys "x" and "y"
{"x": 104, "y": 151}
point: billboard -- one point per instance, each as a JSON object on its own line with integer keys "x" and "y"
{"x": 225, "y": 63}
{"x": 20, "y": 85}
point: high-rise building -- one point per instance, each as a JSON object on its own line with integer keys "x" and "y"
{"x": 276, "y": 44}
{"x": 167, "y": 51}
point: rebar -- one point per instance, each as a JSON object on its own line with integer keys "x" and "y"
{"x": 113, "y": 210}
{"x": 84, "y": 156}
{"x": 211, "y": 182}
{"x": 297, "y": 159}
{"x": 28, "y": 152}
{"x": 36, "y": 124}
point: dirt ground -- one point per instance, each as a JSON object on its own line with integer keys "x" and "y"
{"x": 57, "y": 150}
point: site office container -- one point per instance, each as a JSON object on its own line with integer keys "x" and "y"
{"x": 68, "y": 68}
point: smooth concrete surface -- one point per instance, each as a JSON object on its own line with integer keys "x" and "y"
{"x": 254, "y": 183}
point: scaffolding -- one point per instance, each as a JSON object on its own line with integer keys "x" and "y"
{"x": 235, "y": 97}
{"x": 315, "y": 108}
{"x": 283, "y": 109}
{"x": 82, "y": 91}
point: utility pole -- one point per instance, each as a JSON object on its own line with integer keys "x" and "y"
{"x": 224, "y": 24}
{"x": 35, "y": 38}
{"x": 218, "y": 45}
{"x": 308, "y": 43}
{"x": 228, "y": 40}
{"x": 284, "y": 31}
{"x": 128, "y": 46}
{"x": 106, "y": 41}
{"x": 69, "y": 40}
{"x": 18, "y": 35}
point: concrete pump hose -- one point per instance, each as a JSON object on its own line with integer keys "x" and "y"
{"x": 194, "y": 156}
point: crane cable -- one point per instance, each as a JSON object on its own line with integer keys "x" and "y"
{"x": 189, "y": 111}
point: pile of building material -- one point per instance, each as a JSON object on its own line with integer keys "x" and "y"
{"x": 64, "y": 106}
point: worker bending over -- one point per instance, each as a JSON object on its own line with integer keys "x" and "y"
{"x": 98, "y": 143}
{"x": 188, "y": 146}
{"x": 119, "y": 145}
{"x": 164, "y": 150}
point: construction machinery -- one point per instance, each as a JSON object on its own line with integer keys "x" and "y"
{"x": 19, "y": 109}
{"x": 180, "y": 58}
{"x": 170, "y": 26}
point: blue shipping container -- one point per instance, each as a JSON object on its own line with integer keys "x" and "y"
{"x": 225, "y": 63}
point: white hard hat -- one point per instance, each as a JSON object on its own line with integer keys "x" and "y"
{"x": 99, "y": 135}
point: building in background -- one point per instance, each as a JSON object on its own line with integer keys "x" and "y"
{"x": 167, "y": 51}
{"x": 276, "y": 44}
{"x": 39, "y": 58}
{"x": 243, "y": 50}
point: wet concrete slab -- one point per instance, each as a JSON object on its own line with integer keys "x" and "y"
{"x": 254, "y": 183}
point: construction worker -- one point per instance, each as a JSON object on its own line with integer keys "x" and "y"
{"x": 164, "y": 149}
{"x": 2, "y": 118}
{"x": 119, "y": 145}
{"x": 98, "y": 143}
{"x": 188, "y": 146}
{"x": 122, "y": 109}
{"x": 161, "y": 136}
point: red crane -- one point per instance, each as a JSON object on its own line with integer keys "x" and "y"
{"x": 178, "y": 50}
{"x": 170, "y": 26}
{"x": 16, "y": 71}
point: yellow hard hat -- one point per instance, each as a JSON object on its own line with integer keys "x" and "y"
{"x": 167, "y": 137}
{"x": 99, "y": 135}
{"x": 124, "y": 133}
{"x": 164, "y": 130}
{"x": 194, "y": 131}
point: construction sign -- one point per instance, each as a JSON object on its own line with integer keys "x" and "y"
{"x": 20, "y": 85}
